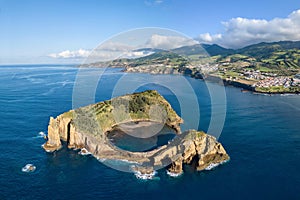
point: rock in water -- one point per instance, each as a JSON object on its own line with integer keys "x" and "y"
{"x": 203, "y": 148}
{"x": 29, "y": 168}
{"x": 87, "y": 128}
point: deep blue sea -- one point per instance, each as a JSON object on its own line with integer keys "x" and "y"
{"x": 261, "y": 135}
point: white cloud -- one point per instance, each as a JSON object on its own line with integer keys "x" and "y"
{"x": 240, "y": 32}
{"x": 81, "y": 53}
{"x": 168, "y": 42}
{"x": 115, "y": 46}
{"x": 153, "y": 3}
{"x": 111, "y": 50}
{"x": 104, "y": 52}
{"x": 136, "y": 54}
{"x": 206, "y": 37}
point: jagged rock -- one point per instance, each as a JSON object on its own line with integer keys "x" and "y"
{"x": 189, "y": 152}
{"x": 176, "y": 167}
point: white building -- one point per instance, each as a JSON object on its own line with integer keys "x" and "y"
{"x": 296, "y": 78}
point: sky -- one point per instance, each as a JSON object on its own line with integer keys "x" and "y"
{"x": 65, "y": 31}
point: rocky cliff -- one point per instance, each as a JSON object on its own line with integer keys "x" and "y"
{"x": 87, "y": 128}
{"x": 201, "y": 148}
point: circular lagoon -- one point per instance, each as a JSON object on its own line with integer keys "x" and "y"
{"x": 140, "y": 136}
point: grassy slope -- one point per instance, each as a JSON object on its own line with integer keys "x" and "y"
{"x": 102, "y": 116}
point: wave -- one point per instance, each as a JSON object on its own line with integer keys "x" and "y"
{"x": 84, "y": 152}
{"x": 39, "y": 77}
{"x": 174, "y": 174}
{"x": 150, "y": 176}
{"x": 62, "y": 83}
{"x": 36, "y": 80}
{"x": 50, "y": 91}
{"x": 41, "y": 134}
{"x": 262, "y": 94}
{"x": 48, "y": 151}
{"x": 214, "y": 165}
{"x": 16, "y": 100}
{"x": 101, "y": 159}
{"x": 288, "y": 94}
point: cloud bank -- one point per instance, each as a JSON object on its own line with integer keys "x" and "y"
{"x": 168, "y": 42}
{"x": 112, "y": 50}
{"x": 241, "y": 32}
{"x": 81, "y": 53}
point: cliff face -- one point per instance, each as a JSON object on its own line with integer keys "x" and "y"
{"x": 201, "y": 148}
{"x": 87, "y": 127}
{"x": 56, "y": 132}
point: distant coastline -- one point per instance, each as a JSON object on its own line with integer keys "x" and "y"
{"x": 226, "y": 82}
{"x": 209, "y": 77}
{"x": 269, "y": 68}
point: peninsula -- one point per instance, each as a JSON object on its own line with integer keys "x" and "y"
{"x": 88, "y": 128}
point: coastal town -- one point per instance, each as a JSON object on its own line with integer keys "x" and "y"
{"x": 259, "y": 81}
{"x": 266, "y": 79}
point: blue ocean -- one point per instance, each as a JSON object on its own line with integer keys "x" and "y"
{"x": 261, "y": 135}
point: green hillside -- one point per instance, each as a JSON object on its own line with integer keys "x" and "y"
{"x": 279, "y": 57}
{"x": 283, "y": 57}
{"x": 164, "y": 57}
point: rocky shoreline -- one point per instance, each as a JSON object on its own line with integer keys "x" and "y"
{"x": 87, "y": 128}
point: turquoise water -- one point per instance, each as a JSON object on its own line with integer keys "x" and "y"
{"x": 261, "y": 135}
{"x": 130, "y": 140}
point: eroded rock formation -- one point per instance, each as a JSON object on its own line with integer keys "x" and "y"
{"x": 204, "y": 149}
{"x": 87, "y": 127}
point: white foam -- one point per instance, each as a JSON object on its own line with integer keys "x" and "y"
{"x": 174, "y": 174}
{"x": 29, "y": 168}
{"x": 139, "y": 175}
{"x": 50, "y": 91}
{"x": 62, "y": 83}
{"x": 292, "y": 94}
{"x": 47, "y": 150}
{"x": 42, "y": 134}
{"x": 214, "y": 165}
{"x": 84, "y": 152}
{"x": 211, "y": 166}
{"x": 101, "y": 159}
